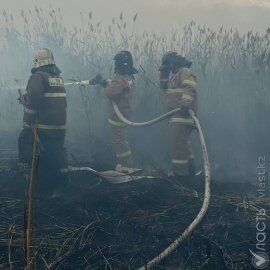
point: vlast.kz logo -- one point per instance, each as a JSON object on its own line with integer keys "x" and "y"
{"x": 260, "y": 260}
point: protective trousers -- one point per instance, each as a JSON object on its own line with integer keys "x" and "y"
{"x": 181, "y": 152}
{"x": 120, "y": 143}
{"x": 52, "y": 158}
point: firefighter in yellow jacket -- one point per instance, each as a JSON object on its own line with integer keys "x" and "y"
{"x": 180, "y": 85}
{"x": 121, "y": 90}
{"x": 45, "y": 111}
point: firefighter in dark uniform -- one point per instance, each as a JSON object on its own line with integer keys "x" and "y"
{"x": 180, "y": 86}
{"x": 45, "y": 111}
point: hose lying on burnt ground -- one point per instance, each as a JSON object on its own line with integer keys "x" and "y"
{"x": 207, "y": 192}
{"x": 112, "y": 177}
{"x": 206, "y": 200}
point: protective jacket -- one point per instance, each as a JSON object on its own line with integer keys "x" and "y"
{"x": 182, "y": 93}
{"x": 46, "y": 103}
{"x": 45, "y": 108}
{"x": 121, "y": 90}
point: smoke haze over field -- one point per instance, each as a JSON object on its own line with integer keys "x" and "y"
{"x": 232, "y": 69}
{"x": 160, "y": 15}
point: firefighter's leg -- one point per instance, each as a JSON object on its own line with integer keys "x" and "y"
{"x": 52, "y": 160}
{"x": 25, "y": 146}
{"x": 61, "y": 165}
{"x": 180, "y": 149}
{"x": 191, "y": 162}
{"x": 121, "y": 146}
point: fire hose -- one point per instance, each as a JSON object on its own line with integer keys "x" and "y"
{"x": 167, "y": 251}
{"x": 143, "y": 124}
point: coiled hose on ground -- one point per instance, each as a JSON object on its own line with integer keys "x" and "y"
{"x": 207, "y": 192}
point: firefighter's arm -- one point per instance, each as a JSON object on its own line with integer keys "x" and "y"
{"x": 189, "y": 85}
{"x": 98, "y": 79}
{"x": 35, "y": 90}
{"x": 164, "y": 72}
{"x": 115, "y": 89}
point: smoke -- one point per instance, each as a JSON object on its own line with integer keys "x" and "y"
{"x": 232, "y": 71}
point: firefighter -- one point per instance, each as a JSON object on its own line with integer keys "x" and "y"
{"x": 45, "y": 111}
{"x": 121, "y": 90}
{"x": 180, "y": 85}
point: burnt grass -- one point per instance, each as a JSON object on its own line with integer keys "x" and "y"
{"x": 97, "y": 225}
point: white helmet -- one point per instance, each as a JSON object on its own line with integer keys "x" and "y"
{"x": 44, "y": 57}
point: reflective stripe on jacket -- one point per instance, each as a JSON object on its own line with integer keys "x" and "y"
{"x": 46, "y": 102}
{"x": 182, "y": 92}
{"x": 121, "y": 90}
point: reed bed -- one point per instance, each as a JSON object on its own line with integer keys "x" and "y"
{"x": 232, "y": 70}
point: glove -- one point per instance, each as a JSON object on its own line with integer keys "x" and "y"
{"x": 164, "y": 72}
{"x": 96, "y": 80}
{"x": 187, "y": 100}
{"x": 22, "y": 99}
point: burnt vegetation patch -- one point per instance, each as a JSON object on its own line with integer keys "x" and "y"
{"x": 97, "y": 225}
